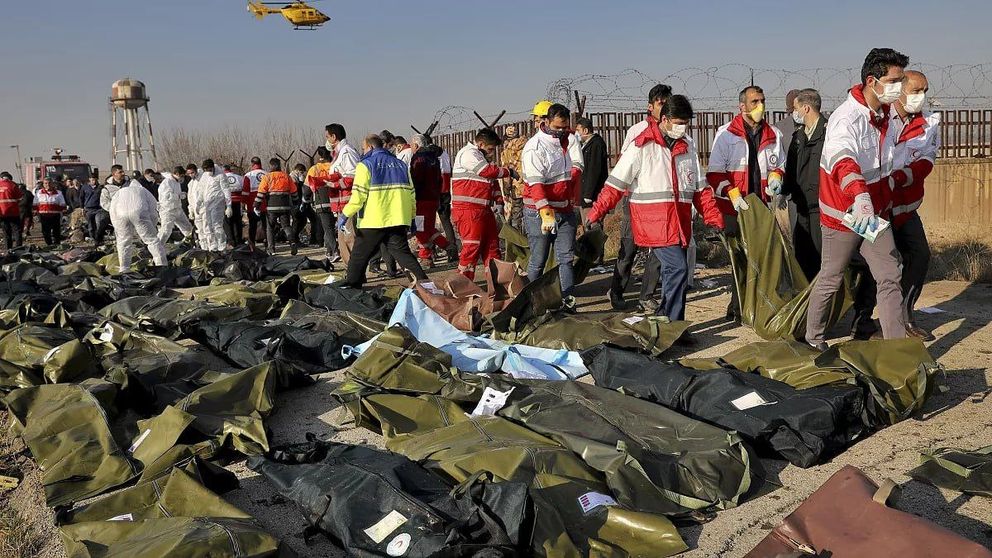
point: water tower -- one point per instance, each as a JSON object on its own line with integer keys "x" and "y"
{"x": 127, "y": 97}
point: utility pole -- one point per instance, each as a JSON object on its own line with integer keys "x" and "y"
{"x": 17, "y": 164}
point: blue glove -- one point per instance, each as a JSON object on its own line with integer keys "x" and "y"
{"x": 342, "y": 221}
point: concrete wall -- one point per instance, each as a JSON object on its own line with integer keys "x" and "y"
{"x": 959, "y": 193}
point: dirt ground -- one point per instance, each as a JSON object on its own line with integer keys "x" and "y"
{"x": 957, "y": 417}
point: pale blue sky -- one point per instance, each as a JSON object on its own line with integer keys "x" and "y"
{"x": 380, "y": 63}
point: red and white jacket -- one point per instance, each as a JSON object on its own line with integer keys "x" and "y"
{"x": 548, "y": 178}
{"x": 917, "y": 144}
{"x": 235, "y": 183}
{"x": 10, "y": 197}
{"x": 727, "y": 167}
{"x": 249, "y": 189}
{"x": 445, "y": 159}
{"x": 473, "y": 180}
{"x": 858, "y": 154}
{"x": 663, "y": 186}
{"x": 49, "y": 203}
{"x": 342, "y": 176}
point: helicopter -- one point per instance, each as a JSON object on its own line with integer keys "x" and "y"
{"x": 302, "y": 15}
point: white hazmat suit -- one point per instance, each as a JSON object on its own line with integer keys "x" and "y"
{"x": 134, "y": 213}
{"x": 209, "y": 199}
{"x": 170, "y": 208}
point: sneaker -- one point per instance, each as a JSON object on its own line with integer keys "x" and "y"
{"x": 568, "y": 305}
{"x": 819, "y": 346}
{"x": 335, "y": 258}
{"x": 919, "y": 333}
{"x": 648, "y": 306}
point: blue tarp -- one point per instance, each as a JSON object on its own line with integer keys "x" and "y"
{"x": 471, "y": 353}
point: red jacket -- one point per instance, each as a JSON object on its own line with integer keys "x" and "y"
{"x": 548, "y": 177}
{"x": 425, "y": 172}
{"x": 917, "y": 144}
{"x": 858, "y": 154}
{"x": 10, "y": 196}
{"x": 728, "y": 164}
{"x": 664, "y": 184}
{"x": 49, "y": 203}
{"x": 474, "y": 179}
{"x": 249, "y": 190}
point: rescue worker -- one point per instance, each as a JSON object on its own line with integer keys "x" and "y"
{"x": 513, "y": 147}
{"x": 317, "y": 180}
{"x": 404, "y": 151}
{"x": 549, "y": 195}
{"x": 303, "y": 213}
{"x": 249, "y": 192}
{"x": 444, "y": 207}
{"x": 234, "y": 224}
{"x": 279, "y": 193}
{"x": 747, "y": 158}
{"x": 475, "y": 200}
{"x": 425, "y": 172}
{"x": 134, "y": 212}
{"x": 662, "y": 172}
{"x": 49, "y": 205}
{"x": 170, "y": 207}
{"x": 540, "y": 114}
{"x": 10, "y": 210}
{"x": 802, "y": 178}
{"x": 210, "y": 201}
{"x": 657, "y": 97}
{"x": 117, "y": 180}
{"x": 383, "y": 207}
{"x": 917, "y": 135}
{"x": 855, "y": 171}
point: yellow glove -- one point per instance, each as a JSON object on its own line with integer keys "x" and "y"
{"x": 547, "y": 220}
{"x": 737, "y": 200}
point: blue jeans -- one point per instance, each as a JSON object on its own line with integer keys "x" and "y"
{"x": 540, "y": 247}
{"x": 674, "y": 281}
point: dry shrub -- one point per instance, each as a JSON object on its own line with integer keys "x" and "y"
{"x": 965, "y": 259}
{"x": 235, "y": 144}
{"x": 18, "y": 539}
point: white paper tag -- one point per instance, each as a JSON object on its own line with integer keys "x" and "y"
{"x": 492, "y": 401}
{"x": 931, "y": 310}
{"x": 592, "y": 500}
{"x": 748, "y": 401}
{"x": 399, "y": 545}
{"x": 432, "y": 288}
{"x": 418, "y": 223}
{"x": 138, "y": 442}
{"x": 330, "y": 279}
{"x": 386, "y": 526}
{"x": 107, "y": 335}
{"x": 125, "y": 517}
{"x": 633, "y": 320}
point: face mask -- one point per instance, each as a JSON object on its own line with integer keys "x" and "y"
{"x": 890, "y": 93}
{"x": 797, "y": 117}
{"x": 914, "y": 103}
{"x": 757, "y": 113}
{"x": 677, "y": 131}
{"x": 329, "y": 145}
{"x": 557, "y": 134}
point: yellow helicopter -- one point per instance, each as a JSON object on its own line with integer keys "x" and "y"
{"x": 302, "y": 15}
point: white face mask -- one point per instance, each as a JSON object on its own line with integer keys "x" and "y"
{"x": 797, "y": 117}
{"x": 890, "y": 93}
{"x": 914, "y": 103}
{"x": 677, "y": 131}
{"x": 329, "y": 145}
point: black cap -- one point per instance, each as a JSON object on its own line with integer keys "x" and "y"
{"x": 6, "y": 176}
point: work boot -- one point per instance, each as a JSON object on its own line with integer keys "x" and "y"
{"x": 918, "y": 332}
{"x": 452, "y": 255}
{"x": 819, "y": 346}
{"x": 293, "y": 249}
{"x": 617, "y": 302}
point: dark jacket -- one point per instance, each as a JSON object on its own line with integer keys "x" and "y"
{"x": 73, "y": 198}
{"x": 802, "y": 168}
{"x": 425, "y": 172}
{"x": 26, "y": 202}
{"x": 597, "y": 169}
{"x": 90, "y": 196}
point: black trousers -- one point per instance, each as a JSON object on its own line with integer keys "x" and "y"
{"x": 328, "y": 222}
{"x": 623, "y": 269}
{"x": 253, "y": 222}
{"x": 51, "y": 228}
{"x": 384, "y": 257}
{"x": 98, "y": 220}
{"x": 300, "y": 220}
{"x": 369, "y": 241}
{"x": 234, "y": 226}
{"x": 277, "y": 220}
{"x": 808, "y": 243}
{"x": 12, "y": 231}
{"x": 732, "y": 229}
{"x": 444, "y": 212}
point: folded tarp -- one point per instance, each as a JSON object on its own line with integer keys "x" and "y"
{"x": 574, "y": 511}
{"x": 967, "y": 471}
{"x": 479, "y": 354}
{"x": 651, "y": 334}
{"x": 170, "y": 317}
{"x": 806, "y": 427}
{"x": 377, "y": 503}
{"x": 774, "y": 292}
{"x": 175, "y": 516}
{"x": 67, "y": 431}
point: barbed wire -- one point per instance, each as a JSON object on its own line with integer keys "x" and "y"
{"x": 717, "y": 88}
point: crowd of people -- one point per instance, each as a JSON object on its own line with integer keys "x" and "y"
{"x": 858, "y": 175}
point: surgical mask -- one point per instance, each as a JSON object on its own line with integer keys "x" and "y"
{"x": 329, "y": 145}
{"x": 797, "y": 117}
{"x": 677, "y": 131}
{"x": 914, "y": 103}
{"x": 757, "y": 113}
{"x": 890, "y": 93}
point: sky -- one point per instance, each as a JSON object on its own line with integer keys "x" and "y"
{"x": 388, "y": 64}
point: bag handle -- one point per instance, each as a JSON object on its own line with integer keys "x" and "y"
{"x": 889, "y": 490}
